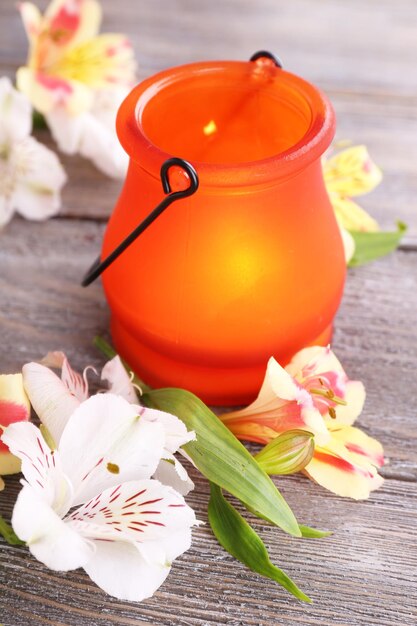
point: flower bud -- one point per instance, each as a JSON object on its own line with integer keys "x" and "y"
{"x": 288, "y": 453}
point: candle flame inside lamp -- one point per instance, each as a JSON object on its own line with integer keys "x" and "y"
{"x": 252, "y": 264}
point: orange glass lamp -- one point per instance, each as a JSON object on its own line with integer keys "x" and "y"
{"x": 250, "y": 264}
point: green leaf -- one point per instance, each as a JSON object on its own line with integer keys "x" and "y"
{"x": 220, "y": 456}
{"x": 313, "y": 533}
{"x": 38, "y": 121}
{"x": 371, "y": 246}
{"x": 241, "y": 541}
{"x": 9, "y": 535}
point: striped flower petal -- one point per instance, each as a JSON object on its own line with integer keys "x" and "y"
{"x": 348, "y": 464}
{"x": 107, "y": 441}
{"x": 343, "y": 477}
{"x": 359, "y": 445}
{"x": 41, "y": 467}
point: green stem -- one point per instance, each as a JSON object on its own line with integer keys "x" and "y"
{"x": 9, "y": 535}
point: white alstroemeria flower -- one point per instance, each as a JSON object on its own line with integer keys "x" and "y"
{"x": 127, "y": 528}
{"x": 92, "y": 133}
{"x": 31, "y": 176}
{"x": 55, "y": 399}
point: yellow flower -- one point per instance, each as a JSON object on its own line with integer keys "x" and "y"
{"x": 68, "y": 60}
{"x": 347, "y": 174}
{"x": 14, "y": 407}
{"x": 77, "y": 79}
{"x": 313, "y": 393}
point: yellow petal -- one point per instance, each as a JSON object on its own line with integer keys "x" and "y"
{"x": 9, "y": 464}
{"x": 360, "y": 446}
{"x": 31, "y": 18}
{"x": 348, "y": 244}
{"x": 12, "y": 390}
{"x": 351, "y": 216}
{"x": 106, "y": 60}
{"x": 351, "y": 172}
{"x": 319, "y": 359}
{"x": 14, "y": 407}
{"x": 343, "y": 478}
{"x": 355, "y": 399}
{"x": 346, "y": 465}
{"x": 46, "y": 93}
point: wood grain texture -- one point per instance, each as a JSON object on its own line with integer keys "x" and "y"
{"x": 356, "y": 577}
{"x": 363, "y": 54}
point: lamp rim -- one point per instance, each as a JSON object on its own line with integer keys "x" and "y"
{"x": 146, "y": 154}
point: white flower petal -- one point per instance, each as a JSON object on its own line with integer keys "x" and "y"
{"x": 139, "y": 510}
{"x": 154, "y": 553}
{"x": 100, "y": 145}
{"x": 348, "y": 243}
{"x": 176, "y": 433}
{"x": 106, "y": 105}
{"x": 15, "y": 114}
{"x": 76, "y": 384}
{"x": 355, "y": 399}
{"x": 39, "y": 179}
{"x": 166, "y": 550}
{"x": 107, "y": 442}
{"x": 316, "y": 359}
{"x": 121, "y": 571}
{"x": 171, "y": 472}
{"x": 32, "y": 20}
{"x": 91, "y": 134}
{"x": 66, "y": 129}
{"x": 50, "y": 540}
{"x": 118, "y": 379}
{"x": 40, "y": 467}
{"x": 6, "y": 208}
{"x": 52, "y": 401}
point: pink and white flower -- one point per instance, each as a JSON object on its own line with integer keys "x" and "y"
{"x": 127, "y": 528}
{"x": 77, "y": 78}
{"x": 313, "y": 393}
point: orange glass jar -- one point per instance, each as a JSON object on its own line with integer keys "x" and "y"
{"x": 252, "y": 264}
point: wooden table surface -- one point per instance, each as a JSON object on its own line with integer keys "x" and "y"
{"x": 362, "y": 53}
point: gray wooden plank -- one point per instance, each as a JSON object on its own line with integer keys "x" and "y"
{"x": 365, "y": 573}
{"x": 356, "y": 44}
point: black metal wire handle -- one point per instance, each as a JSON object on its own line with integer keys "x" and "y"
{"x": 99, "y": 266}
{"x": 264, "y": 54}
